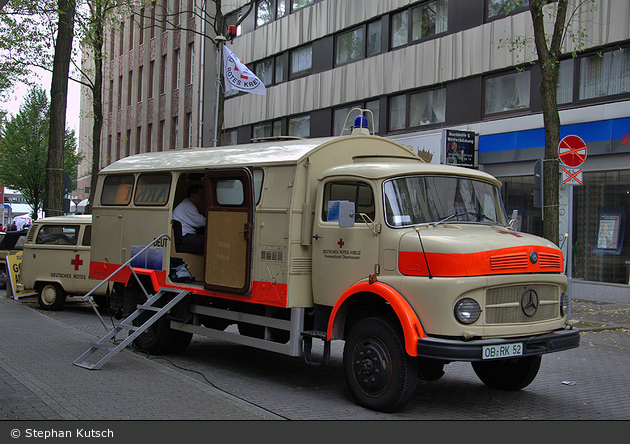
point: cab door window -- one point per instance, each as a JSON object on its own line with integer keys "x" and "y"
{"x": 358, "y": 192}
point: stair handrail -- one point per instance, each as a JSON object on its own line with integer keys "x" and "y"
{"x": 126, "y": 264}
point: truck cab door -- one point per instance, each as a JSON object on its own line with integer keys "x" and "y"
{"x": 343, "y": 254}
{"x": 229, "y": 225}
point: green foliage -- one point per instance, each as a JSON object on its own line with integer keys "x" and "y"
{"x": 24, "y": 149}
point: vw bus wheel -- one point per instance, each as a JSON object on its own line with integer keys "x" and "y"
{"x": 51, "y": 296}
{"x": 379, "y": 373}
{"x": 3, "y": 278}
{"x": 509, "y": 374}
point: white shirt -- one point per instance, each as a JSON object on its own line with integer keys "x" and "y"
{"x": 188, "y": 215}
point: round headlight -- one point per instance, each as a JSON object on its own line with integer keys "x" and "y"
{"x": 564, "y": 304}
{"x": 467, "y": 311}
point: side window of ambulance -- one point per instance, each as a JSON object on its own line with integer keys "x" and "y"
{"x": 117, "y": 189}
{"x": 358, "y": 192}
{"x": 57, "y": 235}
{"x": 152, "y": 189}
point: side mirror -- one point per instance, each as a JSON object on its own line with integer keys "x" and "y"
{"x": 513, "y": 219}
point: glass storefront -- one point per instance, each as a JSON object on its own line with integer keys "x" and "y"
{"x": 600, "y": 237}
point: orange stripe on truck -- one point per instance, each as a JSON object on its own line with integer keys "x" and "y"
{"x": 503, "y": 261}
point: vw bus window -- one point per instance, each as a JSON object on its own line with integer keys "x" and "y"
{"x": 230, "y": 192}
{"x": 87, "y": 236}
{"x": 117, "y": 190}
{"x": 436, "y": 199}
{"x": 357, "y": 192}
{"x": 57, "y": 235}
{"x": 152, "y": 189}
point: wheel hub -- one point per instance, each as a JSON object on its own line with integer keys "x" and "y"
{"x": 371, "y": 366}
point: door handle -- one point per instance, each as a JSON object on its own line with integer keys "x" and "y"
{"x": 317, "y": 236}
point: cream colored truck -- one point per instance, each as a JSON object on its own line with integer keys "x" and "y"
{"x": 352, "y": 238}
{"x": 56, "y": 260}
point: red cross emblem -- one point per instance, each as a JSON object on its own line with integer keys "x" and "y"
{"x": 341, "y": 243}
{"x": 77, "y": 262}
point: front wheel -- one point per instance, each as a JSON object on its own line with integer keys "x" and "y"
{"x": 379, "y": 373}
{"x": 51, "y": 296}
{"x": 509, "y": 374}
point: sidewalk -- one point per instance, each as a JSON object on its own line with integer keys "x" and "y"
{"x": 597, "y": 316}
{"x": 39, "y": 382}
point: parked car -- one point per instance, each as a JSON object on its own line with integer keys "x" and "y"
{"x": 11, "y": 243}
{"x": 56, "y": 260}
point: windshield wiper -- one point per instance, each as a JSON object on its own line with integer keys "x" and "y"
{"x": 480, "y": 217}
{"x": 455, "y": 214}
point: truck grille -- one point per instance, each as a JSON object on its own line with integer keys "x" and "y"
{"x": 503, "y": 305}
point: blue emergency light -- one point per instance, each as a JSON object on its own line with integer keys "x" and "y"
{"x": 360, "y": 122}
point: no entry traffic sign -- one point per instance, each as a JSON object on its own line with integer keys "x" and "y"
{"x": 572, "y": 151}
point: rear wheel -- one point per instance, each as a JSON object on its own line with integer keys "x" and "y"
{"x": 379, "y": 373}
{"x": 160, "y": 338}
{"x": 51, "y": 296}
{"x": 509, "y": 374}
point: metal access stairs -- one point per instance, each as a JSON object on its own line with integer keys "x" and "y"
{"x": 111, "y": 348}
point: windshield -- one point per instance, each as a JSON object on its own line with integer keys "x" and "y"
{"x": 435, "y": 199}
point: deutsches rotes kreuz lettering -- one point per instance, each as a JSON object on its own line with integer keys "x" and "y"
{"x": 241, "y": 80}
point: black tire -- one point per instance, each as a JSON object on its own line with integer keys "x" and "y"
{"x": 379, "y": 373}
{"x": 100, "y": 300}
{"x": 509, "y": 374}
{"x": 160, "y": 338}
{"x": 51, "y": 296}
{"x": 3, "y": 278}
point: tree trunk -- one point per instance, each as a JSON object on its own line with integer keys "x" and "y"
{"x": 549, "y": 59}
{"x": 97, "y": 99}
{"x": 58, "y": 102}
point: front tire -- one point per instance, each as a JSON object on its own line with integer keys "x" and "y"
{"x": 509, "y": 374}
{"x": 379, "y": 373}
{"x": 51, "y": 296}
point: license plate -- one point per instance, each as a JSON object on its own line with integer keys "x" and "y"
{"x": 502, "y": 351}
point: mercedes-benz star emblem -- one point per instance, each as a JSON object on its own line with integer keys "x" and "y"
{"x": 529, "y": 303}
{"x": 533, "y": 257}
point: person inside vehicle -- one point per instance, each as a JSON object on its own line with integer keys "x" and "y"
{"x": 193, "y": 223}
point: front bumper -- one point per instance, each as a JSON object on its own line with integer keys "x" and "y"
{"x": 459, "y": 350}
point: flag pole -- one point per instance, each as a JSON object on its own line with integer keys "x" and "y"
{"x": 220, "y": 42}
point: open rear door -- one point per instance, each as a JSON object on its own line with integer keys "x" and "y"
{"x": 229, "y": 224}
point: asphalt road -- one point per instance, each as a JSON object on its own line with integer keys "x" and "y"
{"x": 587, "y": 383}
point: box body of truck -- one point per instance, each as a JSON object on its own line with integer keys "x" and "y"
{"x": 352, "y": 238}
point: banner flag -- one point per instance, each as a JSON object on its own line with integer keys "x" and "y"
{"x": 238, "y": 76}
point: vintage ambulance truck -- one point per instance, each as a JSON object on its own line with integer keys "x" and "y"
{"x": 56, "y": 260}
{"x": 352, "y": 238}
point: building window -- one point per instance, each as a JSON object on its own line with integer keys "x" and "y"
{"x": 191, "y": 63}
{"x": 120, "y": 85}
{"x": 374, "y": 38}
{"x": 299, "y": 4}
{"x": 188, "y": 142}
{"x": 564, "y": 93}
{"x": 269, "y": 10}
{"x": 129, "y": 87}
{"x": 175, "y": 133}
{"x": 427, "y": 107}
{"x": 300, "y": 126}
{"x": 397, "y": 112}
{"x": 141, "y": 27}
{"x": 151, "y": 71}
{"x": 501, "y": 8}
{"x": 349, "y": 46}
{"x": 270, "y": 71}
{"x": 267, "y": 129}
{"x": 229, "y": 138}
{"x": 176, "y": 77}
{"x": 301, "y": 61}
{"x": 139, "y": 85}
{"x": 603, "y": 75}
{"x": 508, "y": 92}
{"x": 427, "y": 20}
{"x": 163, "y": 76}
{"x": 149, "y": 140}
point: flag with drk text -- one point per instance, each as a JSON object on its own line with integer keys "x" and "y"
{"x": 238, "y": 76}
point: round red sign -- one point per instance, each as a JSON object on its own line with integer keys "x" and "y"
{"x": 572, "y": 151}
